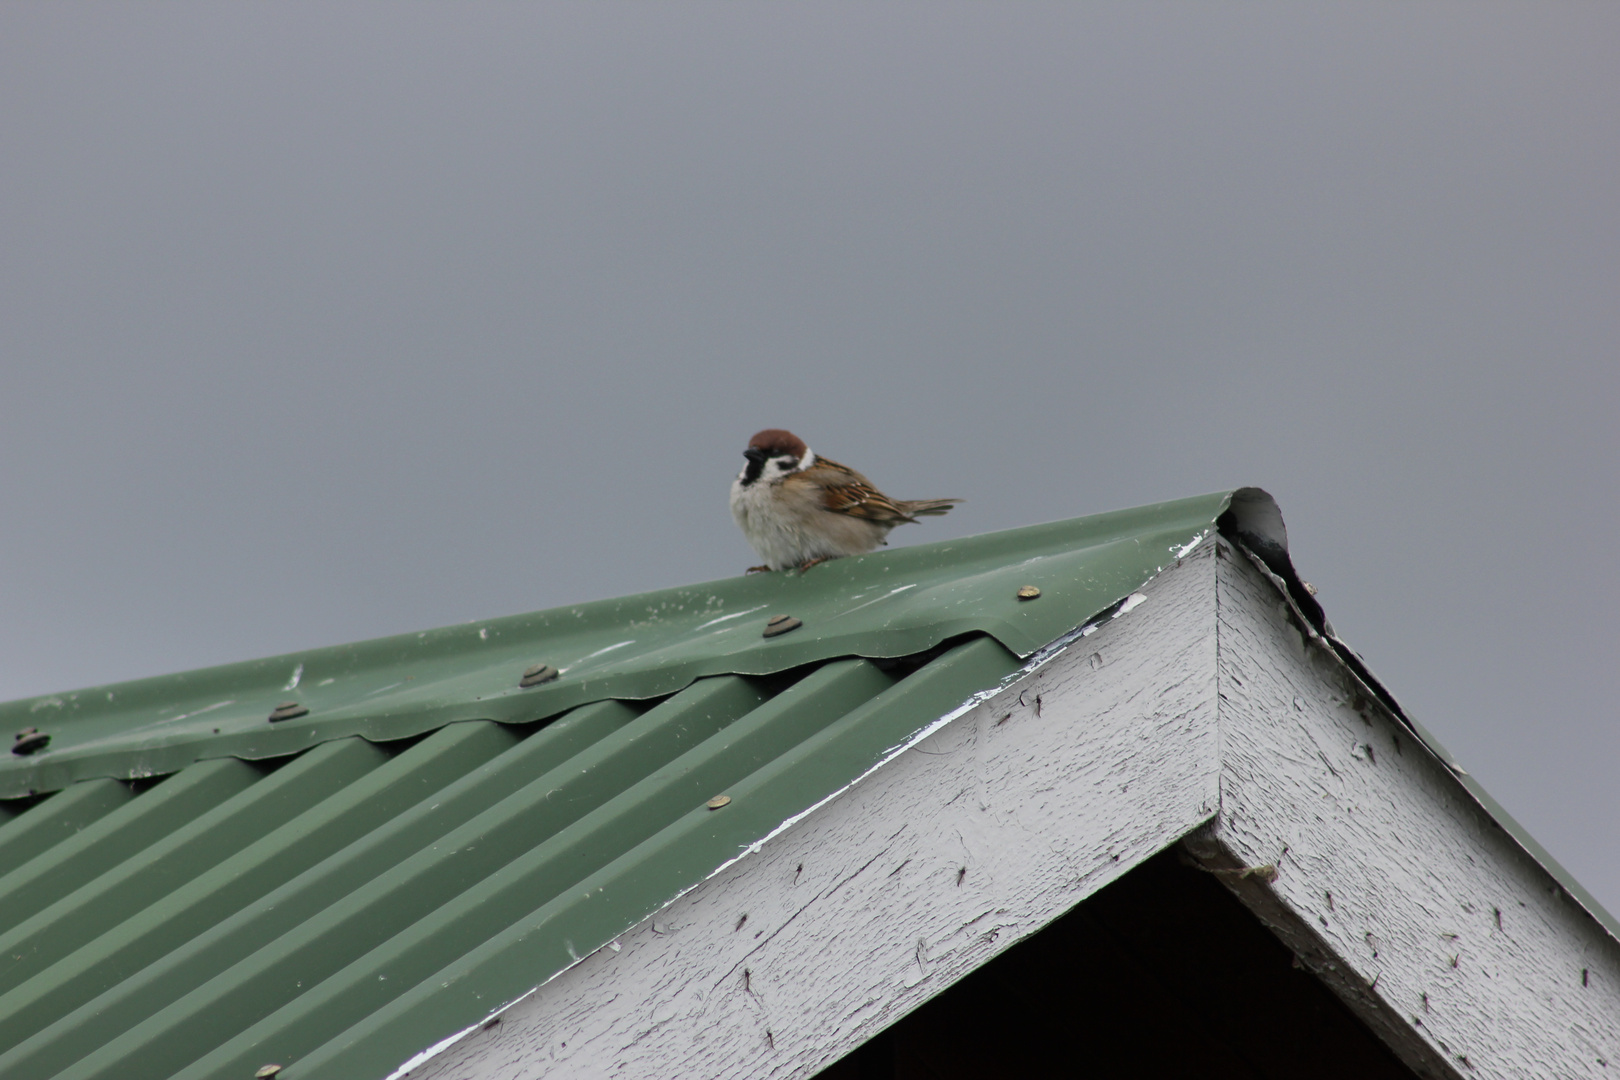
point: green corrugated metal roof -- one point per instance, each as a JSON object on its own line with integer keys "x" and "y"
{"x": 893, "y": 603}
{"x": 208, "y": 891}
{"x": 200, "y": 891}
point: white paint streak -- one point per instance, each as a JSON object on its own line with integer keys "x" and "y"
{"x": 877, "y": 600}
{"x": 435, "y": 1050}
{"x": 199, "y": 712}
{"x": 727, "y": 618}
{"x": 298, "y": 673}
{"x": 610, "y": 648}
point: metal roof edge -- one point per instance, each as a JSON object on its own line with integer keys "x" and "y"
{"x": 884, "y": 605}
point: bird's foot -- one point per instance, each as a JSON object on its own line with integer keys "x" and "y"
{"x": 757, "y": 570}
{"x": 812, "y": 562}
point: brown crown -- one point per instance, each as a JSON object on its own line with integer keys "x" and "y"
{"x": 775, "y": 441}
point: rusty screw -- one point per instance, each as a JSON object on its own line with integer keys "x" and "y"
{"x": 718, "y": 801}
{"x": 539, "y": 673}
{"x": 1028, "y": 592}
{"x": 266, "y": 1071}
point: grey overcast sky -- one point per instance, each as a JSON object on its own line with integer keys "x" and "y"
{"x": 325, "y": 321}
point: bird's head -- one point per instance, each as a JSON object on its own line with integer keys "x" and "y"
{"x": 772, "y": 454}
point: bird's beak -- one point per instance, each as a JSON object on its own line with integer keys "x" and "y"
{"x": 754, "y": 453}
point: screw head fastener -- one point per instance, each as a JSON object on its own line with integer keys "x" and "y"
{"x": 537, "y": 674}
{"x": 30, "y": 741}
{"x": 718, "y": 801}
{"x": 1028, "y": 592}
{"x": 288, "y": 710}
{"x": 780, "y": 624}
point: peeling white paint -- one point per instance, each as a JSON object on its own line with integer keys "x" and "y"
{"x": 1191, "y": 546}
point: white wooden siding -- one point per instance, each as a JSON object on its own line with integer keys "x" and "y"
{"x": 1392, "y": 882}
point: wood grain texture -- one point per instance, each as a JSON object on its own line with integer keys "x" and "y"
{"x": 974, "y": 839}
{"x": 1392, "y": 883}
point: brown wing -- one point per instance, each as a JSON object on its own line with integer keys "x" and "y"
{"x": 845, "y": 491}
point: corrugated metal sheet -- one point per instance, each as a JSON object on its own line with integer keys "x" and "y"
{"x": 344, "y": 908}
{"x": 890, "y": 603}
{"x": 207, "y": 892}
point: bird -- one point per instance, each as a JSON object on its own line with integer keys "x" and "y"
{"x": 798, "y": 509}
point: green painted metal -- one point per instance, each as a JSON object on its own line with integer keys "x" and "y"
{"x": 561, "y": 867}
{"x": 115, "y": 838}
{"x": 257, "y": 869}
{"x": 58, "y": 819}
{"x": 887, "y": 604}
{"x": 155, "y": 870}
{"x": 284, "y": 909}
{"x": 435, "y": 876}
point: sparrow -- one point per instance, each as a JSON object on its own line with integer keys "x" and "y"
{"x": 798, "y": 509}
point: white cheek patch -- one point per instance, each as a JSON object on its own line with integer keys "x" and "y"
{"x": 809, "y": 459}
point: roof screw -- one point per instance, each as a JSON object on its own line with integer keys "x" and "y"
{"x": 287, "y": 710}
{"x": 30, "y": 741}
{"x": 781, "y": 624}
{"x": 718, "y": 801}
{"x": 1028, "y": 592}
{"x": 266, "y": 1071}
{"x": 539, "y": 673}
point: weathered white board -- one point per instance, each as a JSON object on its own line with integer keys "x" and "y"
{"x": 974, "y": 839}
{"x": 1393, "y": 883}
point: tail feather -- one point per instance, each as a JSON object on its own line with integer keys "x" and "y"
{"x": 925, "y": 507}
